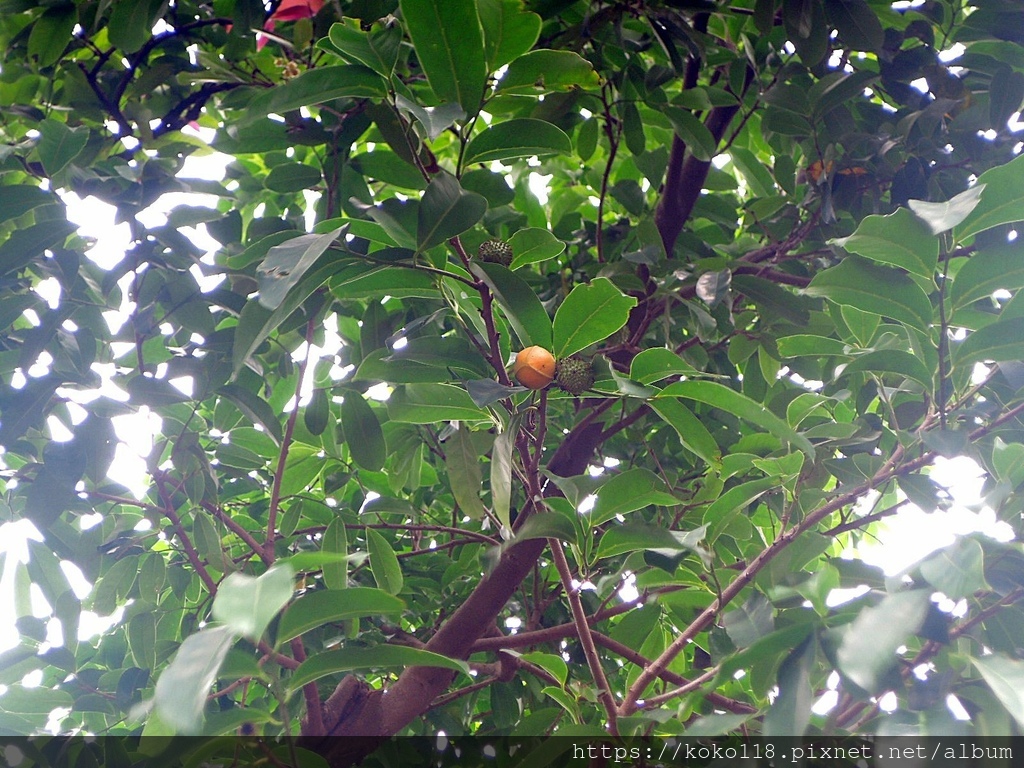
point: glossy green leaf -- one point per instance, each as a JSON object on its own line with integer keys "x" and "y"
{"x": 869, "y": 643}
{"x": 450, "y": 48}
{"x": 858, "y": 25}
{"x": 521, "y": 137}
{"x": 23, "y": 245}
{"x": 884, "y": 361}
{"x": 519, "y": 303}
{"x": 432, "y": 403}
{"x": 501, "y": 473}
{"x": 690, "y": 129}
{"x": 643, "y": 537}
{"x": 958, "y": 570}
{"x": 247, "y": 604}
{"x": 59, "y": 145}
{"x": 465, "y": 473}
{"x": 181, "y": 689}
{"x": 720, "y": 396}
{"x": 1001, "y": 341}
{"x": 590, "y": 313}
{"x": 987, "y": 271}
{"x": 790, "y": 713}
{"x": 131, "y": 23}
{"x": 548, "y": 70}
{"x": 286, "y": 264}
{"x": 334, "y": 541}
{"x": 653, "y": 365}
{"x": 377, "y": 49}
{"x": 941, "y": 217}
{"x": 313, "y": 87}
{"x": 1005, "y": 677}
{"x": 749, "y": 622}
{"x": 292, "y": 177}
{"x": 531, "y": 245}
{"x": 1002, "y": 200}
{"x": 509, "y": 30}
{"x": 626, "y": 492}
{"x": 899, "y": 239}
{"x": 379, "y": 657}
{"x": 17, "y": 199}
{"x": 363, "y": 433}
{"x": 445, "y": 211}
{"x": 323, "y": 607}
{"x": 803, "y": 344}
{"x": 734, "y": 502}
{"x": 873, "y": 288}
{"x": 692, "y": 433}
{"x": 254, "y": 407}
{"x": 384, "y": 566}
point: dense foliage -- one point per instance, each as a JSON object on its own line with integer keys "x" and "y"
{"x": 780, "y": 233}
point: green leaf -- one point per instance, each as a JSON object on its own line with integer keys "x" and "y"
{"x": 1002, "y": 200}
{"x": 435, "y": 120}
{"x": 518, "y": 301}
{"x": 59, "y": 145}
{"x": 643, "y": 537}
{"x": 806, "y": 345}
{"x": 384, "y": 566}
{"x": 326, "y": 606}
{"x": 734, "y": 501}
{"x": 312, "y": 87}
{"x": 750, "y": 622}
{"x": 899, "y": 239}
{"x": 691, "y": 130}
{"x": 51, "y": 32}
{"x": 720, "y": 396}
{"x": 17, "y": 199}
{"x": 773, "y": 300}
{"x": 987, "y": 271}
{"x": 464, "y": 473}
{"x": 807, "y": 28}
{"x": 378, "y": 657}
{"x": 858, "y": 25}
{"x": 892, "y": 361}
{"x": 520, "y": 137}
{"x": 653, "y": 365}
{"x": 1005, "y": 94}
{"x": 334, "y": 541}
{"x": 941, "y": 217}
{"x": 501, "y": 472}
{"x": 694, "y": 436}
{"x": 377, "y": 50}
{"x": 286, "y": 264}
{"x": 1005, "y": 676}
{"x": 131, "y": 23}
{"x": 509, "y": 30}
{"x": 590, "y": 313}
{"x": 445, "y": 211}
{"x": 790, "y": 713}
{"x": 873, "y": 288}
{"x": 247, "y": 604}
{"x": 626, "y": 492}
{"x": 548, "y": 70}
{"x": 181, "y": 689}
{"x": 958, "y": 571}
{"x": 255, "y": 408}
{"x": 545, "y": 525}
{"x": 1002, "y": 341}
{"x": 363, "y": 434}
{"x": 450, "y": 48}
{"x": 531, "y": 245}
{"x": 433, "y": 403}
{"x": 868, "y": 647}
{"x": 145, "y": 390}
{"x": 256, "y": 322}
{"x": 292, "y": 177}
{"x": 24, "y": 245}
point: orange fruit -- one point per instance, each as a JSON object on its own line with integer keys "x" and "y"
{"x": 534, "y": 367}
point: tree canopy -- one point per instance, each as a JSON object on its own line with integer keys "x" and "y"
{"x": 768, "y": 244}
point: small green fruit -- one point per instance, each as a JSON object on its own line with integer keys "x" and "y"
{"x": 496, "y": 251}
{"x": 574, "y": 374}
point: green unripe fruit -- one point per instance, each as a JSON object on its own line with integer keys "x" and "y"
{"x": 574, "y": 374}
{"x": 495, "y": 251}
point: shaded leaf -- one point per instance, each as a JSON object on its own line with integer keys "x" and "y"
{"x": 520, "y": 137}
{"x": 464, "y": 473}
{"x": 445, "y": 211}
{"x": 518, "y": 301}
{"x": 363, "y": 433}
{"x": 317, "y": 609}
{"x": 384, "y": 566}
{"x": 899, "y": 239}
{"x": 379, "y": 657}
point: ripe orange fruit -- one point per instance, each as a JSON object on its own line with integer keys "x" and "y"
{"x": 534, "y": 367}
